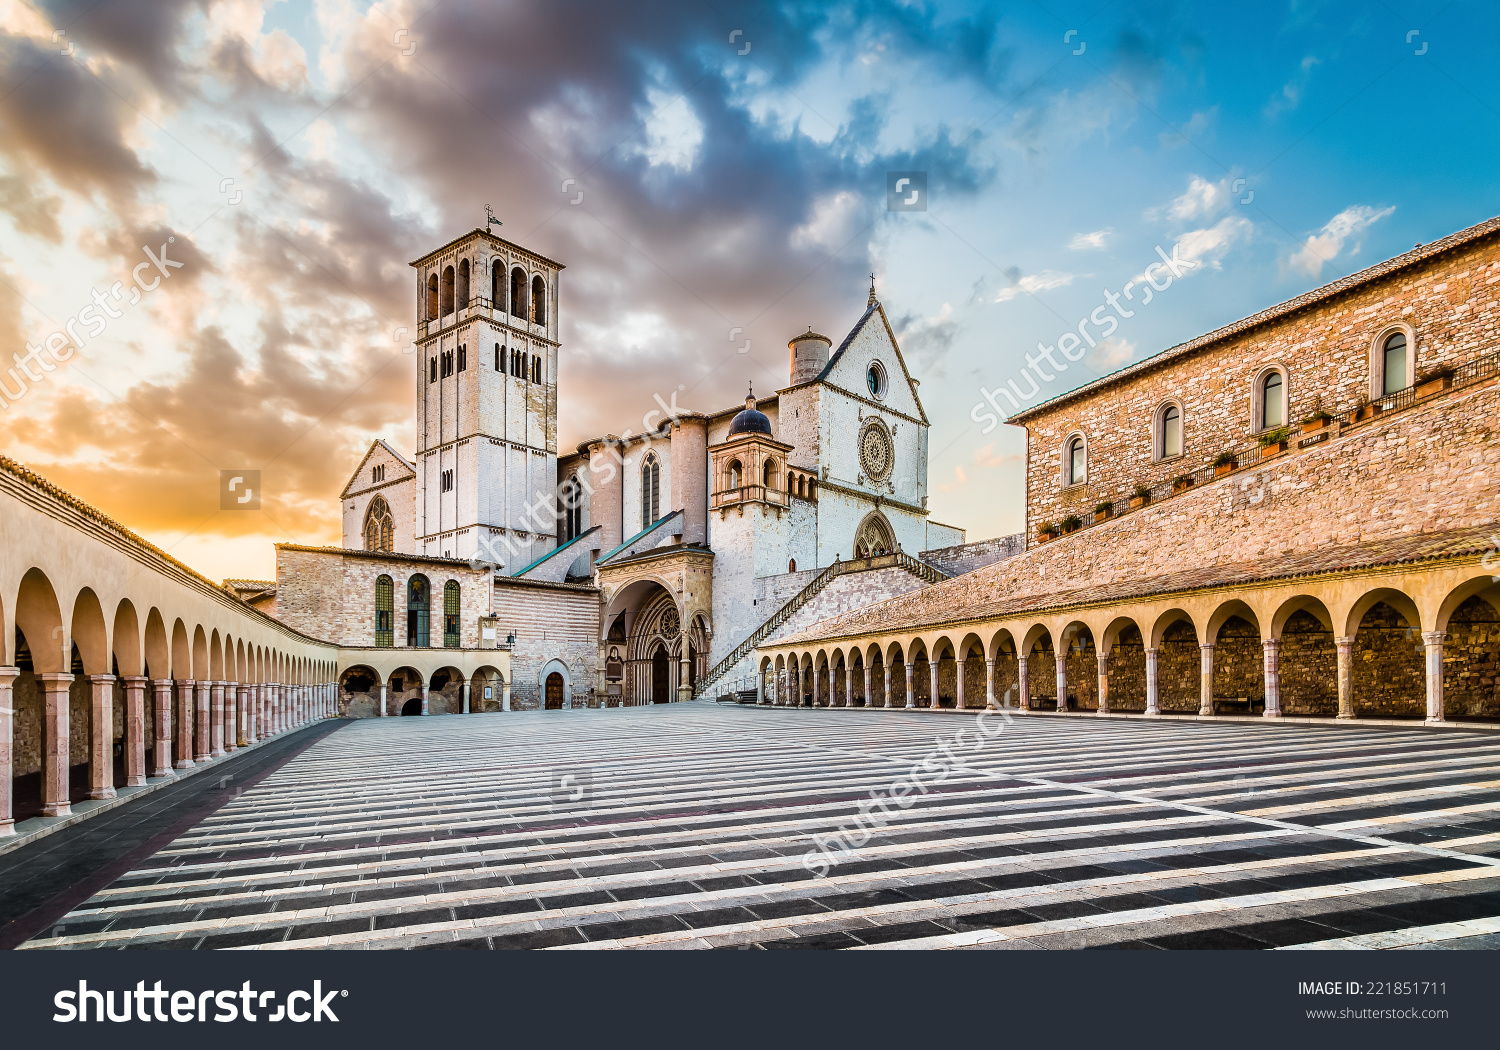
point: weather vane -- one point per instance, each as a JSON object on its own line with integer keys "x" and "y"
{"x": 489, "y": 218}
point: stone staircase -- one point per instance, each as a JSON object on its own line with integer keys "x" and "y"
{"x": 929, "y": 574}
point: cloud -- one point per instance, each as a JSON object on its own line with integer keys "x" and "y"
{"x": 1030, "y": 284}
{"x": 1290, "y": 95}
{"x": 1325, "y": 245}
{"x": 1111, "y": 354}
{"x": 1209, "y": 245}
{"x": 1083, "y": 242}
{"x": 1197, "y": 125}
{"x": 1201, "y": 200}
{"x": 985, "y": 458}
{"x": 925, "y": 341}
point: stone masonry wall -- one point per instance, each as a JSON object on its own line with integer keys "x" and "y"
{"x": 966, "y": 557}
{"x": 550, "y": 623}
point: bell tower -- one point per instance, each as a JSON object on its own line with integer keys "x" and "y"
{"x": 486, "y": 357}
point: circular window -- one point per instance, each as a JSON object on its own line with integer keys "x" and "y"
{"x": 875, "y": 451}
{"x": 875, "y": 379}
{"x": 671, "y": 624}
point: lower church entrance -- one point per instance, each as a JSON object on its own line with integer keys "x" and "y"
{"x": 554, "y": 692}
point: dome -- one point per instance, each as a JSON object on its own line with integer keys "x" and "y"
{"x": 750, "y": 421}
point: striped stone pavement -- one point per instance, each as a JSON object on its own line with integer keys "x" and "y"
{"x": 687, "y": 826}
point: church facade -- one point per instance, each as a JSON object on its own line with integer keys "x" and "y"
{"x": 687, "y": 538}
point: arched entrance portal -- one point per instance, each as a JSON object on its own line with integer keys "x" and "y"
{"x": 412, "y": 707}
{"x": 874, "y": 536}
{"x": 661, "y": 677}
{"x": 554, "y": 692}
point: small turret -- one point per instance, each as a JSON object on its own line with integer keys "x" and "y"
{"x": 809, "y": 356}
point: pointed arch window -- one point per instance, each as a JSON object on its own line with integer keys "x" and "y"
{"x": 450, "y": 614}
{"x": 432, "y": 297}
{"x": 380, "y": 526}
{"x": 572, "y": 517}
{"x": 463, "y": 284}
{"x": 385, "y": 611}
{"x": 447, "y": 303}
{"x": 538, "y": 300}
{"x": 418, "y": 609}
{"x": 650, "y": 490}
{"x": 518, "y": 293}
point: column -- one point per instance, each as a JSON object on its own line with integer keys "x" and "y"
{"x": 911, "y": 693}
{"x": 958, "y": 686}
{"x": 246, "y": 728}
{"x": 1345, "y": 647}
{"x": 848, "y": 684}
{"x": 1060, "y": 654}
{"x": 216, "y": 719}
{"x": 382, "y": 698}
{"x": 1023, "y": 678}
{"x": 684, "y": 676}
{"x": 1434, "y": 641}
{"x": 815, "y": 677}
{"x": 424, "y": 696}
{"x": 135, "y": 729}
{"x": 231, "y": 716}
{"x": 833, "y": 693}
{"x": 783, "y": 686}
{"x": 1103, "y": 656}
{"x": 184, "y": 724}
{"x": 1205, "y": 680}
{"x": 1272, "y": 649}
{"x": 8, "y": 677}
{"x": 203, "y": 750}
{"x": 466, "y": 696}
{"x": 253, "y": 723}
{"x": 885, "y": 697}
{"x": 760, "y": 687}
{"x": 989, "y": 685}
{"x": 505, "y": 696}
{"x": 161, "y": 720}
{"x": 55, "y": 744}
{"x": 101, "y": 737}
{"x": 1153, "y": 698}
{"x": 932, "y": 668}
{"x": 869, "y": 680}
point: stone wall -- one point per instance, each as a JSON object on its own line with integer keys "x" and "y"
{"x": 1451, "y": 304}
{"x": 550, "y": 622}
{"x": 966, "y": 557}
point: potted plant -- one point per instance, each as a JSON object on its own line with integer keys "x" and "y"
{"x": 1224, "y": 464}
{"x": 1182, "y": 484}
{"x": 1140, "y": 497}
{"x": 1317, "y": 421}
{"x": 1273, "y": 442}
{"x": 1072, "y": 523}
{"x": 1045, "y": 531}
{"x": 1102, "y": 511}
{"x": 1433, "y": 382}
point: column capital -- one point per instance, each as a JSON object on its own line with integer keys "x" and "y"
{"x": 8, "y": 674}
{"x": 1434, "y": 637}
{"x": 101, "y": 679}
{"x": 56, "y": 677}
{"x": 134, "y": 679}
{"x": 1205, "y": 645}
{"x": 1270, "y": 643}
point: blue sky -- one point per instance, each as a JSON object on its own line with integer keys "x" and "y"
{"x": 1278, "y": 146}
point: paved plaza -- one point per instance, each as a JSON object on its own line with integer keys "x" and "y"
{"x": 686, "y": 826}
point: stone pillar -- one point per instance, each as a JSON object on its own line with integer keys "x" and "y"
{"x": 815, "y": 677}
{"x": 1272, "y": 649}
{"x": 161, "y": 720}
{"x": 424, "y": 697}
{"x": 135, "y": 729}
{"x": 1434, "y": 642}
{"x": 684, "y": 688}
{"x": 466, "y": 697}
{"x": 1103, "y": 657}
{"x": 885, "y": 697}
{"x": 253, "y": 731}
{"x": 911, "y": 692}
{"x": 1060, "y": 658}
{"x": 231, "y": 716}
{"x": 958, "y": 684}
{"x": 216, "y": 719}
{"x": 55, "y": 799}
{"x": 505, "y": 696}
{"x": 244, "y": 715}
{"x": 833, "y": 692}
{"x": 869, "y": 681}
{"x": 1023, "y": 679}
{"x": 203, "y": 749}
{"x": 848, "y": 684}
{"x": 8, "y": 677}
{"x": 1345, "y": 647}
{"x": 1205, "y": 679}
{"x": 932, "y": 696}
{"x": 1153, "y": 695}
{"x": 760, "y": 687}
{"x": 989, "y": 685}
{"x": 382, "y": 699}
{"x": 184, "y": 724}
{"x": 101, "y": 737}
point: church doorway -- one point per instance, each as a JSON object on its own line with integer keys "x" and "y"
{"x": 874, "y": 537}
{"x": 661, "y": 689}
{"x": 554, "y": 690}
{"x": 412, "y": 707}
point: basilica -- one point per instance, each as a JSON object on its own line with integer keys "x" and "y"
{"x": 638, "y": 567}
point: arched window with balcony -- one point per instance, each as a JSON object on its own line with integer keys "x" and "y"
{"x": 497, "y": 284}
{"x": 538, "y": 300}
{"x": 1167, "y": 432}
{"x": 447, "y": 295}
{"x": 768, "y": 474}
{"x": 1393, "y": 358}
{"x": 450, "y": 614}
{"x": 736, "y": 474}
{"x": 1268, "y": 408}
{"x": 463, "y": 284}
{"x": 432, "y": 297}
{"x": 418, "y": 610}
{"x": 385, "y": 611}
{"x": 650, "y": 490}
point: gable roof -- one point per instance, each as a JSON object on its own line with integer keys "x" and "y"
{"x": 411, "y": 468}
{"x": 873, "y": 310}
{"x": 1369, "y": 275}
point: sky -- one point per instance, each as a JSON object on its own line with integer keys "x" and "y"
{"x": 258, "y": 176}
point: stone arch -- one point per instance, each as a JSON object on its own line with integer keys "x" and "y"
{"x": 486, "y": 677}
{"x": 1394, "y": 597}
{"x": 874, "y": 535}
{"x": 538, "y": 300}
{"x": 1234, "y": 630}
{"x": 1387, "y": 656}
{"x": 461, "y": 293}
{"x": 518, "y": 305}
{"x": 1078, "y": 652}
{"x": 200, "y": 655}
{"x": 125, "y": 639}
{"x": 432, "y": 297}
{"x": 380, "y": 526}
{"x": 182, "y": 652}
{"x": 445, "y": 306}
{"x": 1482, "y": 586}
{"x": 445, "y": 689}
{"x": 89, "y": 633}
{"x": 215, "y": 656}
{"x": 158, "y": 652}
{"x": 1122, "y": 647}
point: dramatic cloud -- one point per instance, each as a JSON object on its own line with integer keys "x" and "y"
{"x": 1328, "y": 243}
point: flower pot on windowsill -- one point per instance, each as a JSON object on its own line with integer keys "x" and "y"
{"x": 1100, "y": 515}
{"x": 1433, "y": 384}
{"x": 1137, "y": 502}
{"x": 1275, "y": 448}
{"x": 1181, "y": 485}
{"x": 1220, "y": 469}
{"x": 1316, "y": 423}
